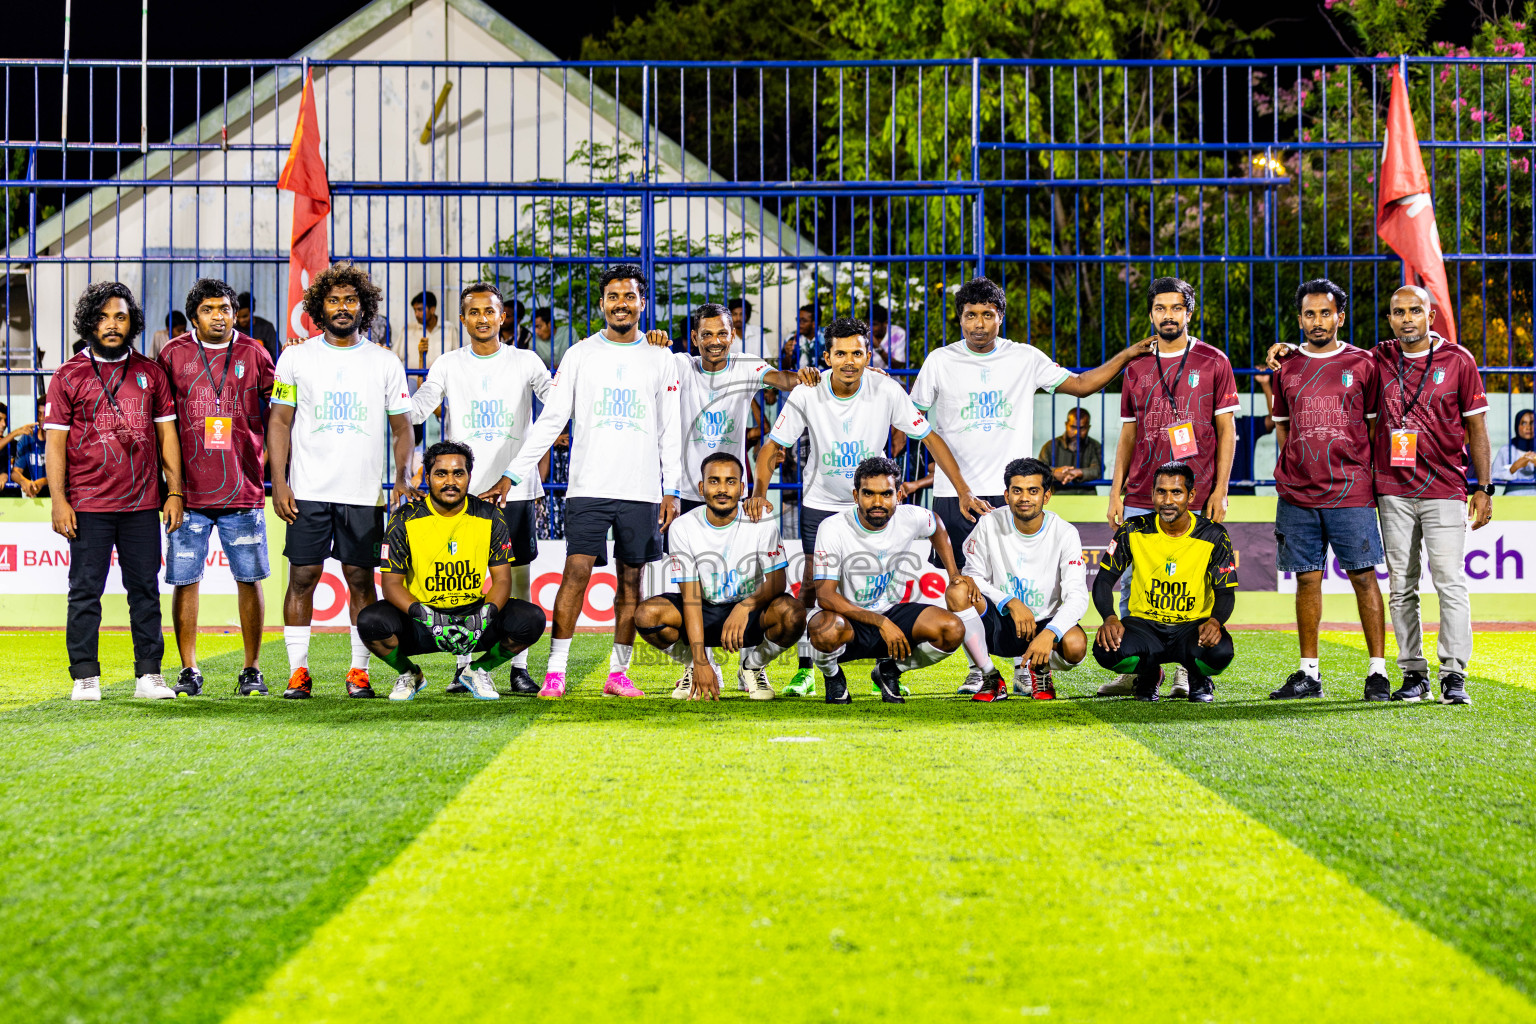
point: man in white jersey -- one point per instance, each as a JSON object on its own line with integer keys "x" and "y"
{"x": 730, "y": 574}
{"x": 979, "y": 393}
{"x": 336, "y": 403}
{"x": 1024, "y": 587}
{"x": 489, "y": 388}
{"x": 621, "y": 397}
{"x": 849, "y": 416}
{"x": 866, "y": 558}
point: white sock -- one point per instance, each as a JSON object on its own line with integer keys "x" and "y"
{"x": 761, "y": 656}
{"x": 296, "y": 639}
{"x": 679, "y": 652}
{"x": 1378, "y": 666}
{"x": 618, "y": 658}
{"x": 359, "y": 651}
{"x": 975, "y": 640}
{"x": 520, "y": 659}
{"x": 922, "y": 655}
{"x": 1060, "y": 664}
{"x": 559, "y": 654}
{"x": 1018, "y": 663}
{"x": 827, "y": 660}
{"x": 1309, "y": 666}
{"x": 805, "y": 650}
{"x": 463, "y": 660}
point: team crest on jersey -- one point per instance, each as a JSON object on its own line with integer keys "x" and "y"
{"x": 1348, "y": 377}
{"x": 1170, "y": 567}
{"x": 453, "y": 547}
{"x": 239, "y": 369}
{"x": 1194, "y": 378}
{"x": 1440, "y": 376}
{"x": 986, "y": 374}
{"x": 144, "y": 381}
{"x": 848, "y": 425}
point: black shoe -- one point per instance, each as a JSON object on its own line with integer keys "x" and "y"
{"x": 888, "y": 678}
{"x": 458, "y": 687}
{"x": 358, "y": 686}
{"x": 299, "y": 685}
{"x": 837, "y": 688}
{"x": 1414, "y": 689}
{"x": 1453, "y": 689}
{"x": 189, "y": 683}
{"x": 1147, "y": 691}
{"x": 1202, "y": 690}
{"x": 518, "y": 680}
{"x": 1377, "y": 687}
{"x": 1296, "y": 686}
{"x": 250, "y": 683}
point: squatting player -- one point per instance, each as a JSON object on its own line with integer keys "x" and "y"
{"x": 441, "y": 550}
{"x": 1183, "y": 580}
{"x": 865, "y": 558}
{"x": 1024, "y": 588}
{"x": 730, "y": 574}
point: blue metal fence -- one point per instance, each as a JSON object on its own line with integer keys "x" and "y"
{"x": 841, "y": 186}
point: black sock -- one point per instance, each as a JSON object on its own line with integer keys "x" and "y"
{"x": 805, "y": 662}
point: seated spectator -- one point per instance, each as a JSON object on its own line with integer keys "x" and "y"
{"x": 177, "y": 327}
{"x": 551, "y": 340}
{"x": 1515, "y": 464}
{"x": 888, "y": 343}
{"x": 29, "y": 465}
{"x": 254, "y": 326}
{"x": 1249, "y": 430}
{"x": 1074, "y": 456}
{"x": 750, "y": 340}
{"x": 802, "y": 348}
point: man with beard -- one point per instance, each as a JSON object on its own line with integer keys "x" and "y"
{"x": 1183, "y": 580}
{"x": 442, "y": 548}
{"x": 490, "y": 388}
{"x": 730, "y": 574}
{"x": 621, "y": 397}
{"x": 111, "y": 427}
{"x": 222, "y": 381}
{"x": 336, "y": 404}
{"x": 865, "y": 559}
{"x": 1326, "y": 401}
{"x": 1175, "y": 406}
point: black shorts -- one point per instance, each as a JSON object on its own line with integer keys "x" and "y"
{"x": 1148, "y": 645}
{"x": 867, "y": 642}
{"x": 689, "y": 505}
{"x": 715, "y": 616}
{"x": 636, "y": 534}
{"x": 810, "y": 521}
{"x": 523, "y": 523}
{"x": 351, "y": 534}
{"x": 1002, "y": 640}
{"x": 522, "y": 621}
{"x": 957, "y": 526}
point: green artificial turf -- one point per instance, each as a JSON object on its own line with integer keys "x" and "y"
{"x": 598, "y": 859}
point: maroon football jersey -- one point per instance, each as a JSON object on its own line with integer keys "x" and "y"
{"x": 1327, "y": 402}
{"x": 1201, "y": 382}
{"x": 1451, "y": 388}
{"x": 112, "y": 459}
{"x": 220, "y": 469}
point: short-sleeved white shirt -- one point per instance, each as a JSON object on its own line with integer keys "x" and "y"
{"x": 1045, "y": 570}
{"x": 728, "y": 562}
{"x": 716, "y": 413}
{"x": 490, "y": 408}
{"x": 844, "y": 432}
{"x": 342, "y": 400}
{"x": 983, "y": 406}
{"x": 873, "y": 567}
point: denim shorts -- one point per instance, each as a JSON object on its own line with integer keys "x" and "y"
{"x": 1304, "y": 535}
{"x": 242, "y": 532}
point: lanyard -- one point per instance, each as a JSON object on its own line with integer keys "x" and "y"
{"x": 1177, "y": 376}
{"x": 229, "y": 357}
{"x": 111, "y": 396}
{"x": 1401, "y": 369}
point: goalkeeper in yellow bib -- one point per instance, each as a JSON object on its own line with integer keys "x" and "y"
{"x": 442, "y": 548}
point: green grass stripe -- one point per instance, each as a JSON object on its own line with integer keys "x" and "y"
{"x": 659, "y": 861}
{"x": 37, "y": 669}
{"x": 1506, "y": 657}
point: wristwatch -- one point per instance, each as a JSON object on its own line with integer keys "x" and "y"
{"x": 1486, "y": 489}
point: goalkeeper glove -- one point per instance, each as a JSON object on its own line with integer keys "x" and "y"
{"x": 449, "y": 631}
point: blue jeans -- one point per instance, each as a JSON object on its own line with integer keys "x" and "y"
{"x": 1304, "y": 535}
{"x": 242, "y": 532}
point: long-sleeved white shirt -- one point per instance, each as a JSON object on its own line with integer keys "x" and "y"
{"x": 1044, "y": 570}
{"x": 622, "y": 404}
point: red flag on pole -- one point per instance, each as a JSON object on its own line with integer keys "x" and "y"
{"x": 1405, "y": 215}
{"x": 304, "y": 176}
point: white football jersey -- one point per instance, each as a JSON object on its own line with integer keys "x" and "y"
{"x": 728, "y": 562}
{"x": 873, "y": 568}
{"x": 1045, "y": 570}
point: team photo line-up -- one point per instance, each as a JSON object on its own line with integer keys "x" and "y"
{"x": 1373, "y": 450}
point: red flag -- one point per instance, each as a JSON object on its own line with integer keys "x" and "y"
{"x": 1405, "y": 215}
{"x": 304, "y": 176}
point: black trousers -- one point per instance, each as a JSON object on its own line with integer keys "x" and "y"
{"x": 1148, "y": 645}
{"x": 520, "y": 622}
{"x": 136, "y": 535}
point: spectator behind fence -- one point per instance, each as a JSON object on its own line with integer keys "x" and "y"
{"x": 752, "y": 341}
{"x": 551, "y": 340}
{"x": 1249, "y": 430}
{"x": 801, "y": 347}
{"x": 28, "y": 462}
{"x": 256, "y": 327}
{"x": 513, "y": 331}
{"x": 1515, "y": 464}
{"x": 889, "y": 341}
{"x": 424, "y": 309}
{"x": 1074, "y": 456}
{"x": 177, "y": 322}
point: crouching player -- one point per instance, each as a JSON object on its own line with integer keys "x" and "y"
{"x": 441, "y": 549}
{"x": 864, "y": 560}
{"x": 1183, "y": 580}
{"x": 1024, "y": 587}
{"x": 731, "y": 574}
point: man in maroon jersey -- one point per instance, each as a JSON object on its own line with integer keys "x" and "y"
{"x": 111, "y": 433}
{"x": 1432, "y": 401}
{"x": 221, "y": 380}
{"x": 1326, "y": 398}
{"x": 1176, "y": 405}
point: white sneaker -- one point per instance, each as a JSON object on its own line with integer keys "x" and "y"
{"x": 755, "y": 682}
{"x": 408, "y": 684}
{"x": 683, "y": 689}
{"x": 152, "y": 687}
{"x": 481, "y": 686}
{"x": 1180, "y": 686}
{"x": 973, "y": 680}
{"x": 88, "y": 688}
{"x": 1120, "y": 686}
{"x": 1023, "y": 680}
